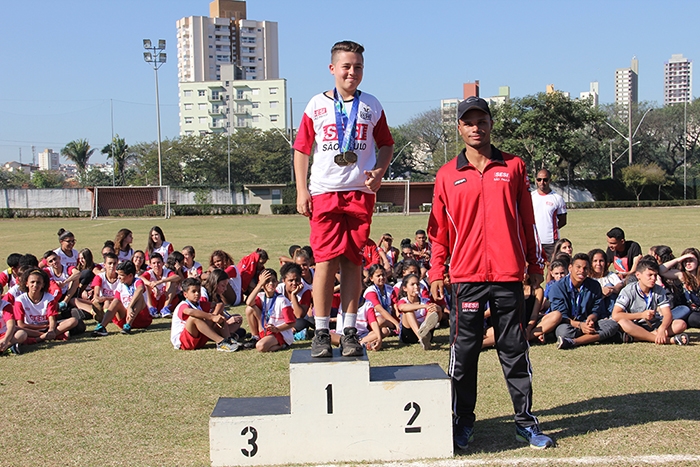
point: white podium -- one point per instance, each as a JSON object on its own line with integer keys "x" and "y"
{"x": 339, "y": 410}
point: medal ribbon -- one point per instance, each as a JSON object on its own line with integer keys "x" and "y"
{"x": 345, "y": 125}
{"x": 268, "y": 306}
{"x": 383, "y": 298}
{"x": 648, "y": 299}
{"x": 578, "y": 298}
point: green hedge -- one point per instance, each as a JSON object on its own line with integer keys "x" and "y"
{"x": 631, "y": 204}
{"x": 283, "y": 208}
{"x": 213, "y": 209}
{"x": 43, "y": 212}
{"x": 158, "y": 210}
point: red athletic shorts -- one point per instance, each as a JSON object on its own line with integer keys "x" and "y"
{"x": 142, "y": 321}
{"x": 189, "y": 342}
{"x": 340, "y": 224}
{"x": 278, "y": 336}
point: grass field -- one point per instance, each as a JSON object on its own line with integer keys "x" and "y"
{"x": 133, "y": 400}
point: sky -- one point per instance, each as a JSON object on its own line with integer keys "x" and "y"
{"x": 68, "y": 66}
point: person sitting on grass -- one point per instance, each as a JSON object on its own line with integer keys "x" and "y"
{"x": 579, "y": 299}
{"x": 36, "y": 310}
{"x": 419, "y": 315}
{"x": 65, "y": 279}
{"x": 643, "y": 312}
{"x": 220, "y": 259}
{"x": 10, "y": 336}
{"x": 157, "y": 244}
{"x": 191, "y": 267}
{"x": 250, "y": 267}
{"x": 10, "y": 276}
{"x": 161, "y": 284}
{"x": 610, "y": 282}
{"x": 270, "y": 314}
{"x": 128, "y": 310}
{"x": 139, "y": 260}
{"x": 103, "y": 287}
{"x": 368, "y": 330}
{"x": 379, "y": 296}
{"x": 688, "y": 302}
{"x": 212, "y": 291}
{"x": 622, "y": 253}
{"x": 193, "y": 326}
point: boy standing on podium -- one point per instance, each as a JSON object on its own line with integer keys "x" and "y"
{"x": 341, "y": 128}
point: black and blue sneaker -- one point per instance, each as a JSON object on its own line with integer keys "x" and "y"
{"x": 534, "y": 436}
{"x": 462, "y": 436}
{"x": 126, "y": 329}
{"x": 100, "y": 331}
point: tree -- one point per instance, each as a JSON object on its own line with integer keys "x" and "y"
{"x": 637, "y": 176}
{"x": 551, "y": 131}
{"x": 17, "y": 179}
{"x": 47, "y": 179}
{"x": 78, "y": 152}
{"x": 118, "y": 151}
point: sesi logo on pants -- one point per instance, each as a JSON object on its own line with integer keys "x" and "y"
{"x": 470, "y": 307}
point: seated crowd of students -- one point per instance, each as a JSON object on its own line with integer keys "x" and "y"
{"x": 652, "y": 298}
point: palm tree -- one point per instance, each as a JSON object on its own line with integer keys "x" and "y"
{"x": 118, "y": 151}
{"x": 79, "y": 152}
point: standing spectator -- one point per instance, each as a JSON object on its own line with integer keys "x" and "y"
{"x": 482, "y": 209}
{"x": 621, "y": 253}
{"x": 550, "y": 212}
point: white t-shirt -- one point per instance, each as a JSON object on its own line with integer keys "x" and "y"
{"x": 547, "y": 208}
{"x": 67, "y": 261}
{"x": 318, "y": 126}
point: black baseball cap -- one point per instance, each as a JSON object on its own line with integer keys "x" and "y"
{"x": 470, "y": 103}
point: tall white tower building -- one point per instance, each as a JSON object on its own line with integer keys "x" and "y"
{"x": 626, "y": 84}
{"x": 678, "y": 80}
{"x": 49, "y": 160}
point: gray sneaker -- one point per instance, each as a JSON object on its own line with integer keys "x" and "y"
{"x": 321, "y": 344}
{"x": 349, "y": 343}
{"x": 564, "y": 343}
{"x": 227, "y": 346}
{"x": 534, "y": 436}
{"x": 424, "y": 331}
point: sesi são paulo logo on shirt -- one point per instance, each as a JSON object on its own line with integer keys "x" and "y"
{"x": 501, "y": 176}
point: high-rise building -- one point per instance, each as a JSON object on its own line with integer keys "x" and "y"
{"x": 592, "y": 94}
{"x": 227, "y": 105}
{"x": 678, "y": 80}
{"x": 626, "y": 84}
{"x": 227, "y": 37}
{"x": 49, "y": 160}
{"x": 470, "y": 89}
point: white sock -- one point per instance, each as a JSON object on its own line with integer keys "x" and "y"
{"x": 322, "y": 322}
{"x": 349, "y": 320}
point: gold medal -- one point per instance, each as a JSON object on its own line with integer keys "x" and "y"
{"x": 350, "y": 157}
{"x": 340, "y": 160}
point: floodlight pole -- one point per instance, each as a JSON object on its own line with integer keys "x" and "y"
{"x": 156, "y": 58}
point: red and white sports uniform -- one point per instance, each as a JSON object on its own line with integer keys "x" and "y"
{"x": 125, "y": 255}
{"x": 157, "y": 293}
{"x": 179, "y": 336}
{"x": 164, "y": 249}
{"x": 67, "y": 261}
{"x": 318, "y": 126}
{"x": 106, "y": 287}
{"x": 424, "y": 290}
{"x": 195, "y": 269}
{"x": 7, "y": 312}
{"x": 304, "y": 296}
{"x": 419, "y": 313}
{"x": 62, "y": 277}
{"x": 234, "y": 279}
{"x": 125, "y": 293}
{"x": 370, "y": 254}
{"x": 547, "y": 208}
{"x": 374, "y": 295}
{"x": 36, "y": 314}
{"x": 12, "y": 294}
{"x": 277, "y": 310}
{"x": 248, "y": 267}
{"x": 7, "y": 279}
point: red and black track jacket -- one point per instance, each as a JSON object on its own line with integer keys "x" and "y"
{"x": 484, "y": 222}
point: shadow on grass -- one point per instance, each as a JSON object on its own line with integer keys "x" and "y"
{"x": 597, "y": 414}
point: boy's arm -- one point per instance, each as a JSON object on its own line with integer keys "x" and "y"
{"x": 374, "y": 176}
{"x": 203, "y": 315}
{"x": 137, "y": 294}
{"x": 301, "y": 172}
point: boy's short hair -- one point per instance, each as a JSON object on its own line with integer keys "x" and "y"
{"x": 420, "y": 232}
{"x": 155, "y": 255}
{"x": 288, "y": 268}
{"x": 127, "y": 267}
{"x": 346, "y": 46}
{"x": 191, "y": 282}
{"x": 616, "y": 233}
{"x": 581, "y": 256}
{"x": 556, "y": 264}
{"x": 13, "y": 259}
{"x": 107, "y": 256}
{"x": 28, "y": 260}
{"x": 647, "y": 262}
{"x": 293, "y": 249}
{"x": 49, "y": 254}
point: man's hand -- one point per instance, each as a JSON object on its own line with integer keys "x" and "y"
{"x": 587, "y": 327}
{"x": 374, "y": 179}
{"x": 437, "y": 289}
{"x": 304, "y": 204}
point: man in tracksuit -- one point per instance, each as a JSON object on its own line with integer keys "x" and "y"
{"x": 482, "y": 220}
